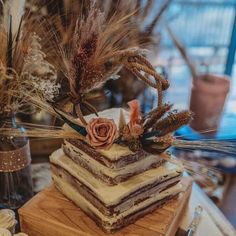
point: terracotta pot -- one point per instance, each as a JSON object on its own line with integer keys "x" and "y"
{"x": 207, "y": 101}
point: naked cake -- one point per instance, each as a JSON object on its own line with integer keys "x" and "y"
{"x": 112, "y": 164}
{"x": 114, "y": 186}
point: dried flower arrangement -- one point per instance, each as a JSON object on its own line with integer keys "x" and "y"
{"x": 23, "y": 68}
{"x": 96, "y": 55}
{"x": 62, "y": 16}
{"x": 24, "y": 72}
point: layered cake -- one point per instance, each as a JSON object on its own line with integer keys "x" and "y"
{"x": 114, "y": 186}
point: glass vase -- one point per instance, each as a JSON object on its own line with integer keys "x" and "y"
{"x": 15, "y": 172}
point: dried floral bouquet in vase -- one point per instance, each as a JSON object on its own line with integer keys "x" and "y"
{"x": 15, "y": 175}
{"x": 23, "y": 72}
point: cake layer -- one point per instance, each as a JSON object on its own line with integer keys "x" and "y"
{"x": 114, "y": 195}
{"x": 110, "y": 224}
{"x": 111, "y": 176}
{"x": 140, "y": 195}
{"x": 116, "y": 157}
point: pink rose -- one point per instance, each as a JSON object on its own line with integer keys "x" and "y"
{"x": 102, "y": 133}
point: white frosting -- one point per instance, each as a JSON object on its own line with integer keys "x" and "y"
{"x": 4, "y": 232}
{"x": 98, "y": 168}
{"x": 115, "y": 152}
{"x": 112, "y": 195}
{"x": 86, "y": 206}
{"x": 7, "y": 219}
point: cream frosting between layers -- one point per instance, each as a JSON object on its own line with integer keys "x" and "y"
{"x": 112, "y": 195}
{"x": 70, "y": 192}
{"x": 115, "y": 152}
{"x": 98, "y": 168}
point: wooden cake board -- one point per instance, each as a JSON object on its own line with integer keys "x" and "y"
{"x": 49, "y": 213}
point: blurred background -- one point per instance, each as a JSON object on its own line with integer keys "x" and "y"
{"x": 192, "y": 43}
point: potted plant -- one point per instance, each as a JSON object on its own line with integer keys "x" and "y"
{"x": 208, "y": 94}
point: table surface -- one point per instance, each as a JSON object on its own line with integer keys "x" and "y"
{"x": 213, "y": 222}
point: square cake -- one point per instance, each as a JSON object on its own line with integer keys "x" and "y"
{"x": 114, "y": 186}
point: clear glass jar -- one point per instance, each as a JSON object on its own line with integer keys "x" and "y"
{"x": 15, "y": 172}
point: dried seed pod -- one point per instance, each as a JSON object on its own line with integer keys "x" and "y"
{"x": 172, "y": 122}
{"x": 155, "y": 115}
